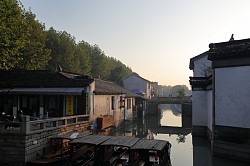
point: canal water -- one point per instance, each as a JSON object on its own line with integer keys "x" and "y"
{"x": 174, "y": 126}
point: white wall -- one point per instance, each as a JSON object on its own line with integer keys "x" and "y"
{"x": 134, "y": 82}
{"x": 199, "y": 65}
{"x": 199, "y": 108}
{"x": 102, "y": 105}
{"x": 209, "y": 110}
{"x": 232, "y": 96}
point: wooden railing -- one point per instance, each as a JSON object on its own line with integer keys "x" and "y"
{"x": 27, "y": 126}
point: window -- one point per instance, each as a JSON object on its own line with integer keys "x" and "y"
{"x": 113, "y": 102}
{"x": 128, "y": 103}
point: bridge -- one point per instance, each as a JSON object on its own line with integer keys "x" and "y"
{"x": 171, "y": 100}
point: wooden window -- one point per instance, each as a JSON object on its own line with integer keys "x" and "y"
{"x": 113, "y": 102}
{"x": 128, "y": 103}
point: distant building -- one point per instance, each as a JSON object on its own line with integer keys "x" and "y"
{"x": 136, "y": 82}
{"x": 111, "y": 99}
{"x": 156, "y": 90}
{"x": 221, "y": 100}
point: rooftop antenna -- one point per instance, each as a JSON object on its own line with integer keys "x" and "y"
{"x": 232, "y": 37}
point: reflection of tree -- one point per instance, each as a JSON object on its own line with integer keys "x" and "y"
{"x": 181, "y": 138}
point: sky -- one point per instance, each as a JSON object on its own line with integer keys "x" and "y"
{"x": 156, "y": 38}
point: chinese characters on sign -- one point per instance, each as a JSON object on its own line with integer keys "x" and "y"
{"x": 69, "y": 105}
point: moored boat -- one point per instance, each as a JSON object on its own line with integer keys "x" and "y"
{"x": 59, "y": 149}
{"x": 150, "y": 153}
{"x": 117, "y": 149}
{"x": 87, "y": 150}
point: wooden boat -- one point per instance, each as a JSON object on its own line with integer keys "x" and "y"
{"x": 150, "y": 153}
{"x": 87, "y": 150}
{"x": 116, "y": 150}
{"x": 59, "y": 149}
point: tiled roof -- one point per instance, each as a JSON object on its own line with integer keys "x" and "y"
{"x": 137, "y": 75}
{"x": 110, "y": 88}
{"x": 229, "y": 50}
{"x": 200, "y": 83}
{"x": 42, "y": 78}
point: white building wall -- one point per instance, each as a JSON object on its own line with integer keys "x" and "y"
{"x": 102, "y": 106}
{"x": 232, "y": 93}
{"x": 90, "y": 91}
{"x": 199, "y": 66}
{"x": 209, "y": 110}
{"x": 128, "y": 111}
{"x": 199, "y": 108}
{"x": 134, "y": 82}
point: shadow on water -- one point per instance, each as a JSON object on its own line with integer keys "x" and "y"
{"x": 174, "y": 125}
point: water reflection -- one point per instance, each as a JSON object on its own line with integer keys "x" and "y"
{"x": 174, "y": 125}
{"x": 170, "y": 115}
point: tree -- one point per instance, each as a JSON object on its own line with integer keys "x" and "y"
{"x": 82, "y": 55}
{"x": 206, "y": 69}
{"x": 34, "y": 54}
{"x": 62, "y": 46}
{"x": 12, "y": 33}
{"x": 22, "y": 38}
{"x": 100, "y": 63}
{"x": 181, "y": 92}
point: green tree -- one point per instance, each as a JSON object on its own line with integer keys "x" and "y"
{"x": 34, "y": 54}
{"x": 62, "y": 46}
{"x": 181, "y": 92}
{"x": 82, "y": 55}
{"x": 22, "y": 38}
{"x": 100, "y": 64}
{"x": 118, "y": 71}
{"x": 12, "y": 33}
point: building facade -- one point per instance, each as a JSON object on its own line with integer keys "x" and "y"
{"x": 220, "y": 101}
{"x": 136, "y": 82}
{"x": 44, "y": 94}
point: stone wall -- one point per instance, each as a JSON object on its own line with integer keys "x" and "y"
{"x": 17, "y": 146}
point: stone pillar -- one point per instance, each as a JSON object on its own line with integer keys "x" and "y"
{"x": 25, "y": 128}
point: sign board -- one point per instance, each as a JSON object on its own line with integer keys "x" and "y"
{"x": 69, "y": 105}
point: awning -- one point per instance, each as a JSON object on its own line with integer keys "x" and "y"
{"x": 4, "y": 90}
{"x": 49, "y": 91}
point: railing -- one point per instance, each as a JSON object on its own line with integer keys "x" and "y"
{"x": 27, "y": 126}
{"x": 185, "y": 99}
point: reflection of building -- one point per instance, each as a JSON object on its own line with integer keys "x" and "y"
{"x": 201, "y": 152}
{"x": 221, "y": 101}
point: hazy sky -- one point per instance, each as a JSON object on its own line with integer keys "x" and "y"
{"x": 156, "y": 38}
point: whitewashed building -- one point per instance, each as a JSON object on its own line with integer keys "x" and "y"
{"x": 113, "y": 102}
{"x": 221, "y": 107}
{"x": 136, "y": 82}
{"x": 201, "y": 94}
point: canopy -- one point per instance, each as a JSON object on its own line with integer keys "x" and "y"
{"x": 49, "y": 91}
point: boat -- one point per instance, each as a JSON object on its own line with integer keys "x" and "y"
{"x": 150, "y": 153}
{"x": 116, "y": 150}
{"x": 58, "y": 152}
{"x": 87, "y": 150}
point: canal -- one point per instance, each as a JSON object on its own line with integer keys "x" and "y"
{"x": 173, "y": 125}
